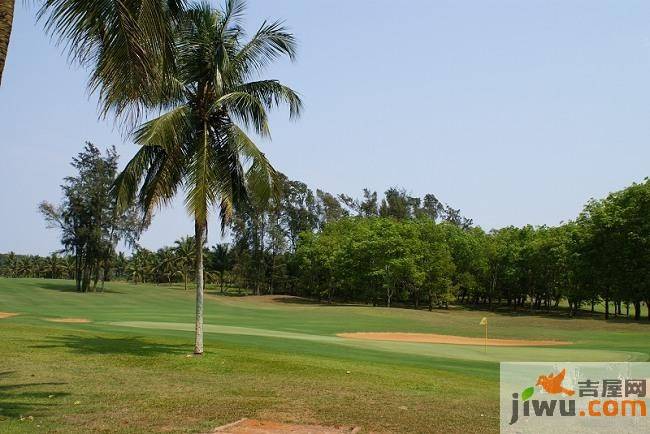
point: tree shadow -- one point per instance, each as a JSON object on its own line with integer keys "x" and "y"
{"x": 519, "y": 312}
{"x": 23, "y": 399}
{"x": 134, "y": 346}
{"x": 560, "y": 313}
{"x": 70, "y": 287}
{"x": 315, "y": 302}
{"x": 300, "y": 300}
{"x": 217, "y": 292}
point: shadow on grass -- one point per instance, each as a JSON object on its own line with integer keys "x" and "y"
{"x": 561, "y": 313}
{"x": 315, "y": 302}
{"x": 226, "y": 293}
{"x": 27, "y": 399}
{"x": 301, "y": 300}
{"x": 134, "y": 346}
{"x": 70, "y": 287}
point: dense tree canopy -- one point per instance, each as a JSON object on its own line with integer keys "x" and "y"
{"x": 340, "y": 248}
{"x": 91, "y": 225}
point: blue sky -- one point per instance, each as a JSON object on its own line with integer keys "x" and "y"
{"x": 516, "y": 112}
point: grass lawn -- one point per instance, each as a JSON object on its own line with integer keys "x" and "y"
{"x": 127, "y": 369}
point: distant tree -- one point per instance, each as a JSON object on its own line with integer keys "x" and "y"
{"x": 437, "y": 265}
{"x": 121, "y": 264}
{"x": 352, "y": 204}
{"x": 139, "y": 265}
{"x": 11, "y": 265}
{"x": 166, "y": 264}
{"x": 398, "y": 205}
{"x": 299, "y": 212}
{"x": 220, "y": 261}
{"x": 329, "y": 208}
{"x": 369, "y": 206}
{"x": 185, "y": 256}
{"x": 53, "y": 266}
{"x": 90, "y": 224}
{"x": 431, "y": 207}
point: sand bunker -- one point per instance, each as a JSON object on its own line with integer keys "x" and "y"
{"x": 448, "y": 339}
{"x": 69, "y": 320}
{"x": 252, "y": 426}
{"x": 7, "y": 314}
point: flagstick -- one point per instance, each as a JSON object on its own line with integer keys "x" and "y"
{"x": 486, "y": 336}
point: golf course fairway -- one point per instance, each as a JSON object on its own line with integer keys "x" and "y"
{"x": 120, "y": 361}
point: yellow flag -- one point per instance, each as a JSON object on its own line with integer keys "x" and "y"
{"x": 483, "y": 321}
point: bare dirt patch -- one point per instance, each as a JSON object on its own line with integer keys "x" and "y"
{"x": 69, "y": 320}
{"x": 253, "y": 426}
{"x": 449, "y": 339}
{"x": 7, "y": 315}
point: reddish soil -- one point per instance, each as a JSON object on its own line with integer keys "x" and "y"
{"x": 252, "y": 426}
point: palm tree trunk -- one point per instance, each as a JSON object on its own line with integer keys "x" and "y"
{"x": 200, "y": 227}
{"x": 6, "y": 20}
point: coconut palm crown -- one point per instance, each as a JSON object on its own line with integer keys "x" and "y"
{"x": 199, "y": 144}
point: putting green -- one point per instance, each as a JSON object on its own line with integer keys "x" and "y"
{"x": 494, "y": 354}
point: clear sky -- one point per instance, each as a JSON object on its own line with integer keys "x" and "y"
{"x": 514, "y": 111}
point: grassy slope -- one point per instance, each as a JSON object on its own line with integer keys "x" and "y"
{"x": 134, "y": 379}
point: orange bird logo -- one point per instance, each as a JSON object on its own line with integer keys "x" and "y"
{"x": 553, "y": 383}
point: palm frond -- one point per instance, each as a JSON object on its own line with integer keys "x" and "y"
{"x": 246, "y": 108}
{"x": 128, "y": 181}
{"x": 269, "y": 43}
{"x": 262, "y": 180}
{"x": 231, "y": 176}
{"x": 164, "y": 177}
{"x": 169, "y": 131}
{"x": 230, "y": 24}
{"x": 128, "y": 45}
{"x": 272, "y": 94}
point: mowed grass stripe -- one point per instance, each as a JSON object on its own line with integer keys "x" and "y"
{"x": 493, "y": 354}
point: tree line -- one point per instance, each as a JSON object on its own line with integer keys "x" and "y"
{"x": 600, "y": 257}
{"x": 390, "y": 250}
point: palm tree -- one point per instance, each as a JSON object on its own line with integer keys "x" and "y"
{"x": 12, "y": 265}
{"x": 6, "y": 20}
{"x": 121, "y": 264}
{"x": 197, "y": 145}
{"x": 221, "y": 260}
{"x": 185, "y": 252}
{"x": 53, "y": 266}
{"x": 23, "y": 267}
{"x": 138, "y": 267}
{"x": 167, "y": 263}
{"x": 35, "y": 265}
{"x": 70, "y": 267}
